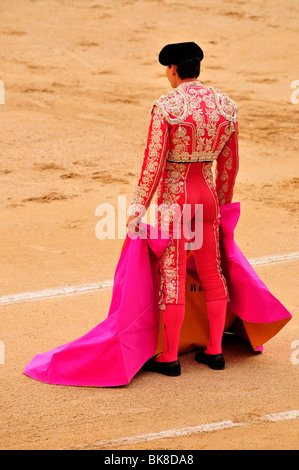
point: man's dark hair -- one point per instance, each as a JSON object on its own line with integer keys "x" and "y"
{"x": 189, "y": 68}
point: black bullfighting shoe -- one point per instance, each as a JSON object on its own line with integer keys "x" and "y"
{"x": 172, "y": 369}
{"x": 214, "y": 361}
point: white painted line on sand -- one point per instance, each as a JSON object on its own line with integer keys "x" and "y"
{"x": 273, "y": 259}
{"x": 188, "y": 431}
{"x": 55, "y": 292}
{"x": 108, "y": 284}
{"x": 282, "y": 416}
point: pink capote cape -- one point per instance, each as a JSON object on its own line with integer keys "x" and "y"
{"x": 115, "y": 350}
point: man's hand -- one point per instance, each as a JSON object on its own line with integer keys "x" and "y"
{"x": 133, "y": 223}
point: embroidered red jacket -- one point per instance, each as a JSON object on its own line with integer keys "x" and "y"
{"x": 192, "y": 123}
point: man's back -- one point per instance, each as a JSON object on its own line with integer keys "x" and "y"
{"x": 201, "y": 121}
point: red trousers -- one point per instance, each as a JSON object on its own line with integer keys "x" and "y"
{"x": 182, "y": 186}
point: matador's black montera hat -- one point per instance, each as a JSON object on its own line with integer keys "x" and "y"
{"x": 176, "y": 53}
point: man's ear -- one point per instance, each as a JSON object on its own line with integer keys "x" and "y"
{"x": 173, "y": 69}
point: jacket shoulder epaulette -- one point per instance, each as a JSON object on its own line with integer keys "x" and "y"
{"x": 225, "y": 105}
{"x": 173, "y": 106}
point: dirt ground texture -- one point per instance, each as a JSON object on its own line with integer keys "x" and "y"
{"x": 80, "y": 78}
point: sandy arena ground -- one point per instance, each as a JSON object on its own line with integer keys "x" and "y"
{"x": 80, "y": 77}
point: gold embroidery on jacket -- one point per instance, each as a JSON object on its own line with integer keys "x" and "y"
{"x": 199, "y": 109}
{"x": 142, "y": 193}
{"x": 222, "y": 191}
